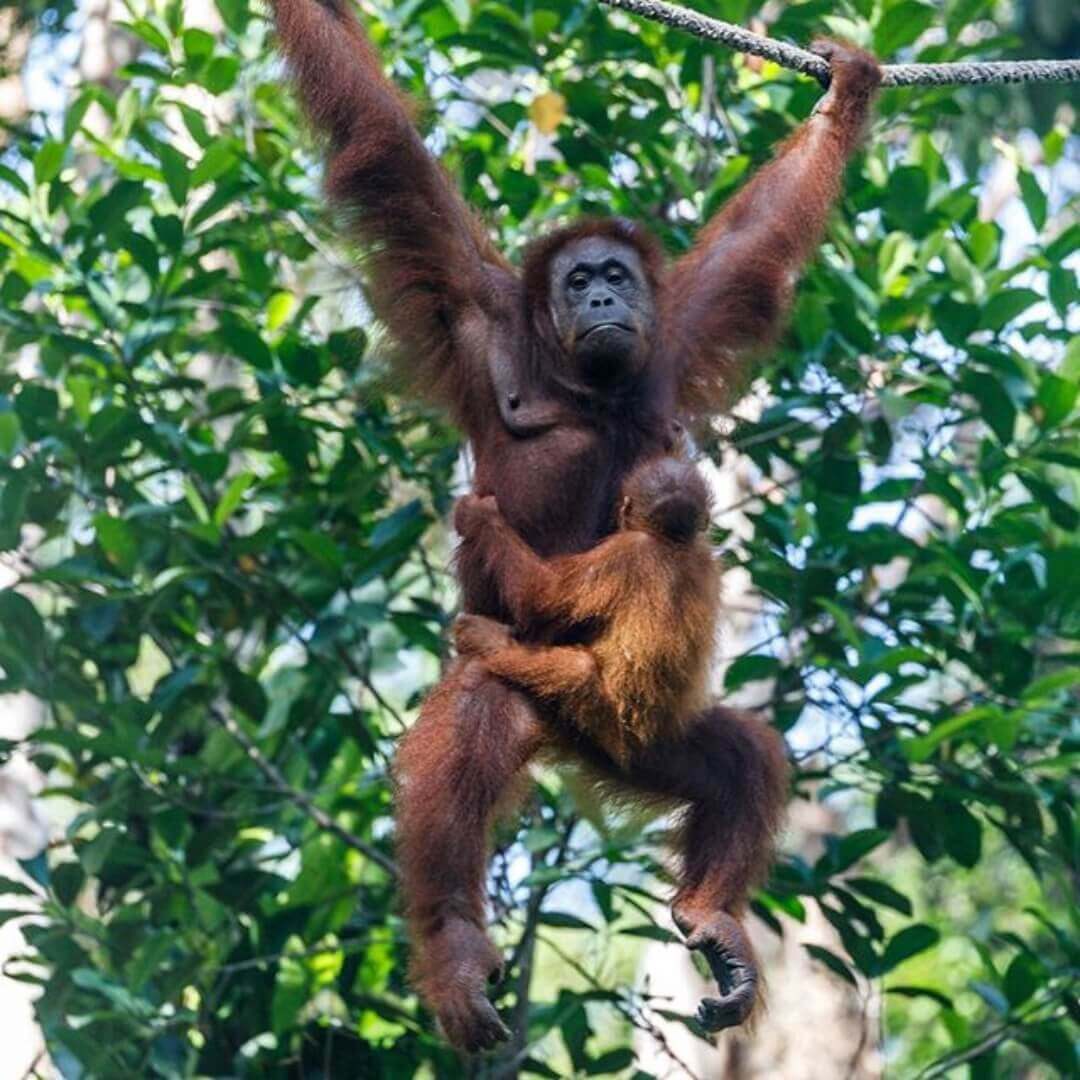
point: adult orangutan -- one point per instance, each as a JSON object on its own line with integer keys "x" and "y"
{"x": 564, "y": 377}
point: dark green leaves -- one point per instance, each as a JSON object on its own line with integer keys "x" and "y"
{"x": 909, "y": 942}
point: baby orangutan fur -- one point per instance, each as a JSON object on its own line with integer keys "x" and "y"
{"x": 639, "y": 610}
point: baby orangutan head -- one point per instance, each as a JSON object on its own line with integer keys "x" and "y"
{"x": 667, "y": 497}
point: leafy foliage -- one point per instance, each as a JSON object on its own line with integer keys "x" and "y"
{"x": 230, "y": 573}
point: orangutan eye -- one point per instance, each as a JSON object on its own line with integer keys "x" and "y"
{"x": 615, "y": 276}
{"x": 579, "y": 280}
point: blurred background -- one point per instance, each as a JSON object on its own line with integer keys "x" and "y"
{"x": 223, "y": 555}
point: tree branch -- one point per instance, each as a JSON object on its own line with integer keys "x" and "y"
{"x": 300, "y": 798}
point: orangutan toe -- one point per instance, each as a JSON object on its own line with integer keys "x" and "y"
{"x": 470, "y": 1023}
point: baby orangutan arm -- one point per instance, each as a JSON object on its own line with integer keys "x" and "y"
{"x": 547, "y": 671}
{"x": 567, "y": 592}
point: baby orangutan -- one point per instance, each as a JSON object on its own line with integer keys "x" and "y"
{"x": 617, "y": 639}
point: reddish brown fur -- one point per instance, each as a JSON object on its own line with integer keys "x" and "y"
{"x": 460, "y": 317}
{"x": 643, "y": 602}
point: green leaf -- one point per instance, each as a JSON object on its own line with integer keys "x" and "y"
{"x": 564, "y": 921}
{"x": 749, "y": 669}
{"x": 1022, "y": 978}
{"x": 962, "y": 13}
{"x": 1055, "y": 400}
{"x": 220, "y": 74}
{"x": 921, "y": 991}
{"x": 848, "y": 850}
{"x": 1050, "y": 685}
{"x": 1034, "y": 199}
{"x": 198, "y": 45}
{"x": 232, "y": 497}
{"x": 218, "y": 158}
{"x": 21, "y": 625}
{"x": 68, "y": 879}
{"x": 1006, "y": 307}
{"x": 611, "y": 1062}
{"x": 653, "y": 933}
{"x": 460, "y": 9}
{"x": 174, "y": 167}
{"x": 1062, "y": 513}
{"x": 37, "y": 407}
{"x": 247, "y": 344}
{"x": 1054, "y": 143}
{"x": 962, "y": 833}
{"x": 984, "y": 242}
{"x": 1053, "y": 1044}
{"x": 922, "y": 747}
{"x": 1064, "y": 289}
{"x": 323, "y": 549}
{"x": 110, "y": 211}
{"x": 49, "y": 160}
{"x": 880, "y": 893}
{"x": 896, "y": 254}
{"x": 832, "y": 962}
{"x": 10, "y": 887}
{"x": 995, "y": 405}
{"x": 291, "y": 990}
{"x": 901, "y": 25}
{"x": 149, "y": 33}
{"x": 278, "y": 309}
{"x": 235, "y": 14}
{"x": 911, "y": 941}
{"x": 118, "y": 541}
{"x": 9, "y": 433}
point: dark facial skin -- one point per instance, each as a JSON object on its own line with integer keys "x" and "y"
{"x": 603, "y": 308}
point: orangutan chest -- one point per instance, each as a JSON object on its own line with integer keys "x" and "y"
{"x": 557, "y": 489}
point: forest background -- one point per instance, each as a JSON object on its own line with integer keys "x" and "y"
{"x": 224, "y": 552}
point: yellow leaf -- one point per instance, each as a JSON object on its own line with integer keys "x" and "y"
{"x": 548, "y": 111}
{"x": 278, "y": 309}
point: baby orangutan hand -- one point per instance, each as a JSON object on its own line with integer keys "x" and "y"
{"x": 477, "y": 635}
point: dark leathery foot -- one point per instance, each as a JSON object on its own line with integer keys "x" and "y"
{"x": 724, "y": 944}
{"x": 462, "y": 963}
{"x": 470, "y": 1023}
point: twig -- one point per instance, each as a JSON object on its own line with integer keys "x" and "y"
{"x": 524, "y": 956}
{"x": 301, "y": 798}
{"x": 791, "y": 56}
{"x": 346, "y": 947}
{"x": 32, "y": 1068}
{"x": 992, "y": 1038}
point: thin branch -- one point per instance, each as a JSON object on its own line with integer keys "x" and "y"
{"x": 300, "y": 798}
{"x": 523, "y": 957}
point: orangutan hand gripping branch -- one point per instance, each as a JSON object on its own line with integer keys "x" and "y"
{"x": 564, "y": 377}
